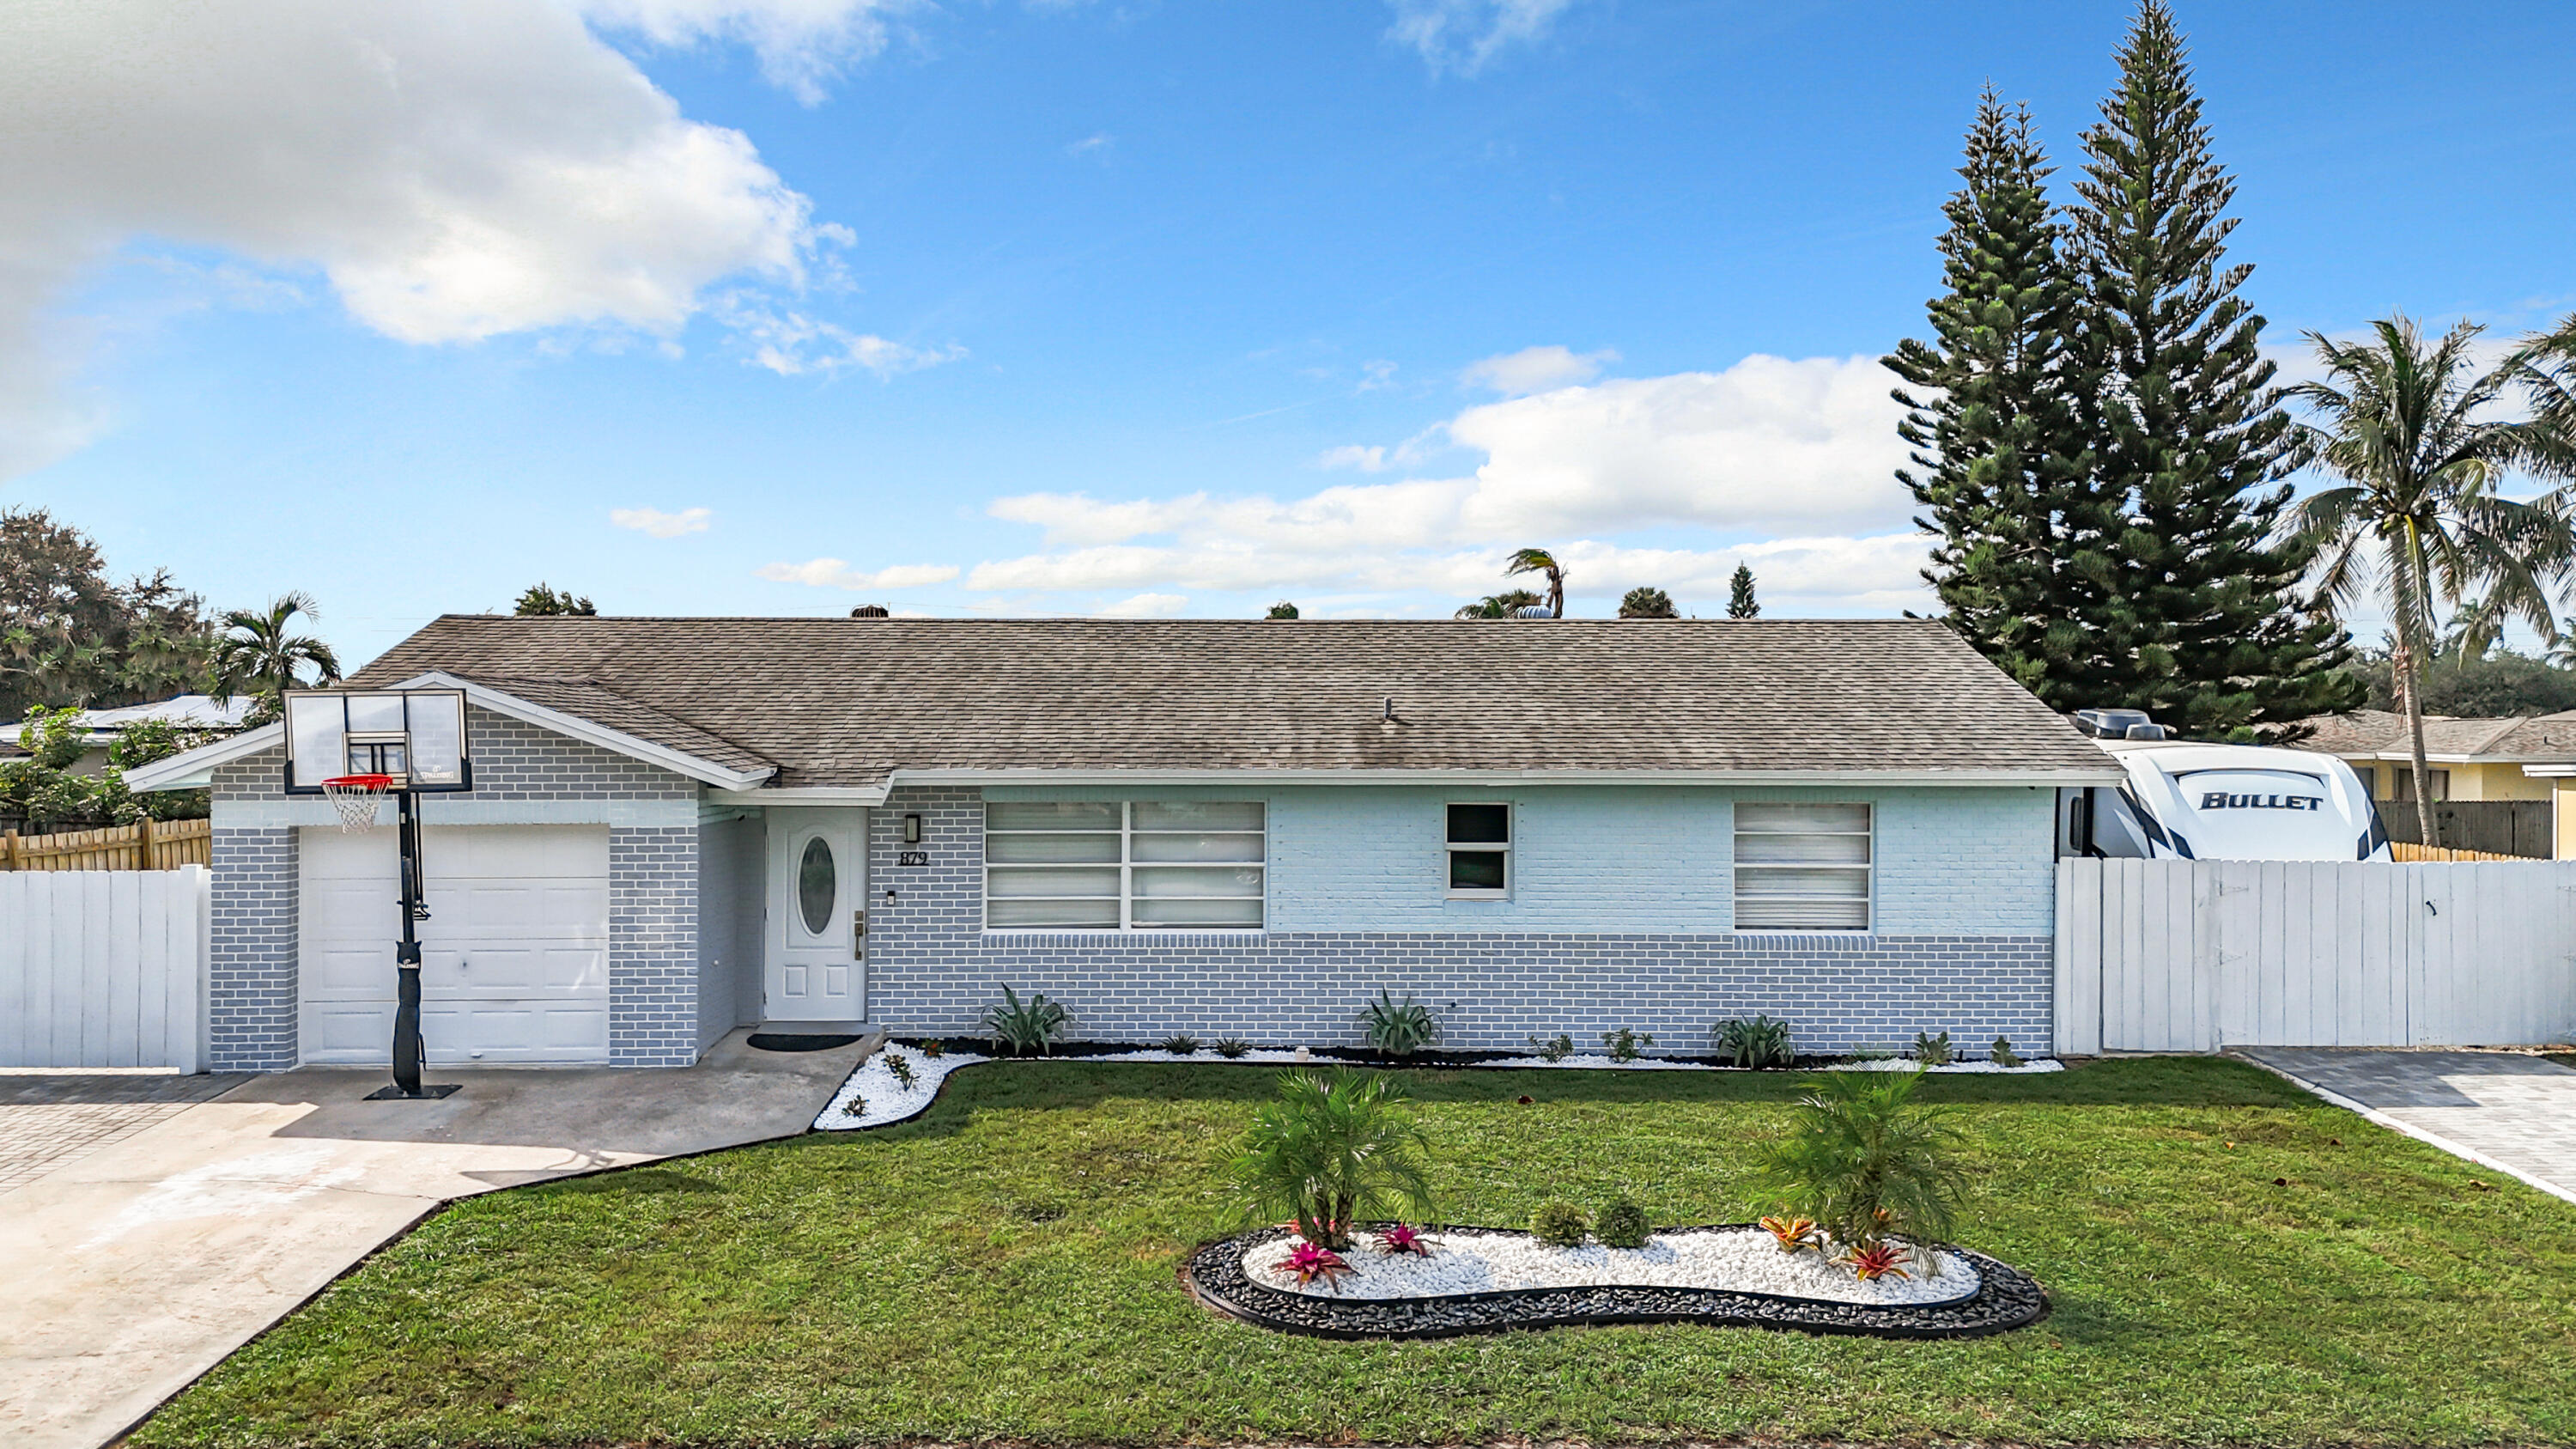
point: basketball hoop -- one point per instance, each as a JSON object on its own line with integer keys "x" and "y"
{"x": 356, "y": 797}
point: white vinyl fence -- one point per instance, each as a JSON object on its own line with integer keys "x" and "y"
{"x": 104, "y": 968}
{"x": 2199, "y": 955}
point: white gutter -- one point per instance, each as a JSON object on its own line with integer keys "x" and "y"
{"x": 2069, "y": 776}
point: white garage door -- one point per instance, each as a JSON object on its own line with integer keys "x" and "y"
{"x": 514, "y": 956}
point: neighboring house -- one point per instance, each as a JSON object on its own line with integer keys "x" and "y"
{"x": 1226, "y": 829}
{"x": 2473, "y": 763}
{"x": 100, "y": 728}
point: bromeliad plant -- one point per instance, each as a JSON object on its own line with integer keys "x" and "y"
{"x": 1310, "y": 1262}
{"x": 1334, "y": 1148}
{"x": 1026, "y": 1027}
{"x": 1873, "y": 1261}
{"x": 1399, "y": 1238}
{"x": 1867, "y": 1162}
{"x": 1625, "y": 1044}
{"x": 1759, "y": 1043}
{"x": 1399, "y": 1031}
{"x": 1794, "y": 1234}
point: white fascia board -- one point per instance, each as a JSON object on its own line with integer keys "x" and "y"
{"x": 590, "y": 732}
{"x": 806, "y": 795}
{"x": 2111, "y": 775}
{"x": 195, "y": 770}
{"x": 2557, "y": 770}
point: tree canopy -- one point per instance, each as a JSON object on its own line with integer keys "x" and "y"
{"x": 70, "y": 635}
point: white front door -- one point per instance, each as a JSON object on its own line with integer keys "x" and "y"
{"x": 818, "y": 889}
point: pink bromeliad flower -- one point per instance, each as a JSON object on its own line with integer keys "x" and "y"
{"x": 1400, "y": 1238}
{"x": 1309, "y": 1263}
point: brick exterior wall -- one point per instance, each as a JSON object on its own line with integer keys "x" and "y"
{"x": 932, "y": 968}
{"x": 522, "y": 774}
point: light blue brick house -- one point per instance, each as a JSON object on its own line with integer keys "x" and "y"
{"x": 681, "y": 826}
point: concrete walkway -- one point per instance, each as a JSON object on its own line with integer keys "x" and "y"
{"x": 50, "y": 1119}
{"x": 137, "y": 1266}
{"x": 2512, "y": 1112}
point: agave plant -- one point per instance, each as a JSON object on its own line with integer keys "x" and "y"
{"x": 1399, "y": 1031}
{"x": 1023, "y": 1027}
{"x": 1333, "y": 1149}
{"x": 1232, "y": 1047}
{"x": 1310, "y": 1262}
{"x": 1865, "y": 1160}
{"x": 1758, "y": 1043}
{"x": 1398, "y": 1238}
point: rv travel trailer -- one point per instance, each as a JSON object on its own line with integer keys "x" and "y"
{"x": 2215, "y": 802}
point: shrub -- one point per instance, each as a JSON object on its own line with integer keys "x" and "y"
{"x": 1232, "y": 1047}
{"x": 1625, "y": 1044}
{"x": 1399, "y": 1031}
{"x": 1181, "y": 1046}
{"x": 1622, "y": 1225}
{"x": 2002, "y": 1053}
{"x": 901, "y": 1065}
{"x": 1934, "y": 1051}
{"x": 1030, "y": 1026}
{"x": 1560, "y": 1224}
{"x": 933, "y": 1050}
{"x": 1333, "y": 1149}
{"x": 1864, "y": 1159}
{"x": 1761, "y": 1042}
{"x": 1555, "y": 1049}
{"x": 855, "y": 1107}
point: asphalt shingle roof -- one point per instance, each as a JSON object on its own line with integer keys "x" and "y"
{"x": 838, "y": 702}
{"x": 2532, "y": 738}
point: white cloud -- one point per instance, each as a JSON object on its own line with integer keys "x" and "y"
{"x": 803, "y": 45}
{"x": 659, "y": 524}
{"x": 455, "y": 169}
{"x": 1536, "y": 369}
{"x": 790, "y": 343}
{"x": 836, "y": 573}
{"x": 1370, "y": 459}
{"x": 1460, "y": 36}
{"x": 1098, "y": 142}
{"x": 1144, "y": 606}
{"x": 1802, "y": 451}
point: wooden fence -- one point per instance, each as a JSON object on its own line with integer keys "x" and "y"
{"x": 2410, "y": 853}
{"x": 104, "y": 968}
{"x": 2517, "y": 829}
{"x": 148, "y": 845}
{"x": 2199, "y": 955}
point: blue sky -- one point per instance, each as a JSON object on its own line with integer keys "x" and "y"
{"x": 782, "y": 306}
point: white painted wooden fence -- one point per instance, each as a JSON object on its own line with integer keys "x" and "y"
{"x": 2199, "y": 955}
{"x": 104, "y": 968}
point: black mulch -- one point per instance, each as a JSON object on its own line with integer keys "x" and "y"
{"x": 789, "y": 1041}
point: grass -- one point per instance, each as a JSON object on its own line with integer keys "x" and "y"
{"x": 1003, "y": 1269}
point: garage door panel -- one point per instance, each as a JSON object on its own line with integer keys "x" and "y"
{"x": 514, "y": 957}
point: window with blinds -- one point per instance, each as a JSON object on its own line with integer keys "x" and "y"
{"x": 1113, "y": 866}
{"x": 1802, "y": 867}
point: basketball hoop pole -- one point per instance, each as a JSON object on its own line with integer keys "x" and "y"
{"x": 406, "y": 1046}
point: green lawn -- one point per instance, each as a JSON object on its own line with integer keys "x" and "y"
{"x": 1003, "y": 1270}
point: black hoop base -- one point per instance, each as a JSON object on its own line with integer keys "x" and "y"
{"x": 428, "y": 1093}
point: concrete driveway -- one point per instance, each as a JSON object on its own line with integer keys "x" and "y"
{"x": 137, "y": 1264}
{"x": 2505, "y": 1110}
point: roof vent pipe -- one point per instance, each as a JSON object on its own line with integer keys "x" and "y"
{"x": 1390, "y": 709}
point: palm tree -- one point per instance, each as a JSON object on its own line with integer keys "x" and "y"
{"x": 2417, "y": 514}
{"x": 1505, "y": 605}
{"x": 257, "y": 656}
{"x": 1647, "y": 602}
{"x": 1540, "y": 561}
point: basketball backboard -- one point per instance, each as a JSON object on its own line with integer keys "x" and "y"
{"x": 415, "y": 735}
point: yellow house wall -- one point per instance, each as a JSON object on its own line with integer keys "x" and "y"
{"x": 2468, "y": 782}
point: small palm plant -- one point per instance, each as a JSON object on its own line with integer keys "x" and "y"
{"x": 1334, "y": 1149}
{"x": 1867, "y": 1161}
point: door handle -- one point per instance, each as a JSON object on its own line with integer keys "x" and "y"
{"x": 858, "y": 932}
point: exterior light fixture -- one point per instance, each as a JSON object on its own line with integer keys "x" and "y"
{"x": 912, "y": 830}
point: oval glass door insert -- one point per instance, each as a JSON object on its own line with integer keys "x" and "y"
{"x": 817, "y": 886}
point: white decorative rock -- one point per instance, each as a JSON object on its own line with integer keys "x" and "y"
{"x": 1736, "y": 1259}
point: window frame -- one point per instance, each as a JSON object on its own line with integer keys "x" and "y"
{"x": 1867, "y": 869}
{"x": 1450, "y": 849}
{"x": 1127, "y": 897}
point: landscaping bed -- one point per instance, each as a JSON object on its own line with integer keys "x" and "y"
{"x": 2228, "y": 1262}
{"x": 1485, "y": 1280}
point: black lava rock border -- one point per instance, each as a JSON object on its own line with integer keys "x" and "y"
{"x": 2007, "y": 1299}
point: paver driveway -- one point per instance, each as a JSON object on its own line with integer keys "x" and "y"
{"x": 2516, "y": 1111}
{"x": 52, "y": 1119}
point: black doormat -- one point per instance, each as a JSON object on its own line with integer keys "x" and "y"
{"x": 782, "y": 1041}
